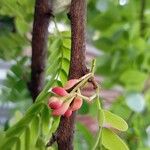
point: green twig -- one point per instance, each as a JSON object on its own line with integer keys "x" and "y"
{"x": 93, "y": 66}
{"x": 98, "y": 142}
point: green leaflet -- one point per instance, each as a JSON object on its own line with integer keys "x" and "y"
{"x": 66, "y": 34}
{"x": 17, "y": 116}
{"x": 67, "y": 43}
{"x": 58, "y": 65}
{"x": 30, "y": 125}
{"x": 63, "y": 76}
{"x": 35, "y": 108}
{"x": 22, "y": 126}
{"x": 40, "y": 145}
{"x": 19, "y": 127}
{"x": 28, "y": 138}
{"x": 58, "y": 83}
{"x": 54, "y": 52}
{"x": 35, "y": 129}
{"x": 54, "y": 47}
{"x": 22, "y": 25}
{"x": 112, "y": 141}
{"x": 18, "y": 145}
{"x": 65, "y": 65}
{"x": 114, "y": 121}
{"x": 133, "y": 79}
{"x": 2, "y": 135}
{"x": 45, "y": 120}
{"x": 44, "y": 94}
{"x": 66, "y": 53}
{"x": 55, "y": 124}
{"x": 15, "y": 131}
{"x": 11, "y": 8}
{"x": 23, "y": 139}
{"x": 53, "y": 66}
{"x": 9, "y": 143}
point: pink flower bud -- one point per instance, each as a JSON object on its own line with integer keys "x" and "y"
{"x": 61, "y": 111}
{"x": 54, "y": 103}
{"x": 71, "y": 83}
{"x": 59, "y": 91}
{"x": 77, "y": 103}
{"x": 68, "y": 113}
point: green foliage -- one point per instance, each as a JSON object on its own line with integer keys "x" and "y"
{"x": 125, "y": 61}
{"x": 57, "y": 70}
{"x": 114, "y": 142}
{"x": 86, "y": 135}
{"x": 15, "y": 86}
{"x": 15, "y": 37}
{"x": 133, "y": 79}
{"x": 35, "y": 123}
{"x": 114, "y": 121}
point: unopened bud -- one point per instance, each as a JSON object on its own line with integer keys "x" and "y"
{"x": 61, "y": 111}
{"x": 68, "y": 113}
{"x": 77, "y": 103}
{"x": 71, "y": 83}
{"x": 59, "y": 91}
{"x": 54, "y": 103}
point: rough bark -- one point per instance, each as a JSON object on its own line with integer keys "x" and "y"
{"x": 77, "y": 17}
{"x": 42, "y": 15}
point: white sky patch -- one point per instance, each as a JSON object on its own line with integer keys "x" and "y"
{"x": 96, "y": 35}
{"x": 3, "y": 74}
{"x": 102, "y": 5}
{"x": 61, "y": 27}
{"x": 123, "y": 2}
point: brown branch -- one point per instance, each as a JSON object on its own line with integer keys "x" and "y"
{"x": 42, "y": 15}
{"x": 77, "y": 17}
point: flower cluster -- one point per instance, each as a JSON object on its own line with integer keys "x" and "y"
{"x": 64, "y": 103}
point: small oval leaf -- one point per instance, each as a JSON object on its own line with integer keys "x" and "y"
{"x": 27, "y": 138}
{"x": 112, "y": 141}
{"x": 18, "y": 144}
{"x": 45, "y": 116}
{"x": 115, "y": 121}
{"x": 55, "y": 124}
{"x": 35, "y": 129}
{"x": 9, "y": 143}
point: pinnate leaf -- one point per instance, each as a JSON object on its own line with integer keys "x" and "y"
{"x": 112, "y": 141}
{"x": 115, "y": 121}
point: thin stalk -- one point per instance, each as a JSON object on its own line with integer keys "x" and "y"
{"x": 98, "y": 140}
{"x": 84, "y": 80}
{"x": 93, "y": 66}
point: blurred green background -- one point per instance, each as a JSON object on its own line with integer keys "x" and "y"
{"x": 118, "y": 35}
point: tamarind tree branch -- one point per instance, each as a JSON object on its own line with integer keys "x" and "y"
{"x": 42, "y": 15}
{"x": 78, "y": 68}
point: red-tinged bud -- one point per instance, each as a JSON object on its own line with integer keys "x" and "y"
{"x": 68, "y": 113}
{"x": 61, "y": 111}
{"x": 77, "y": 103}
{"x": 54, "y": 103}
{"x": 59, "y": 91}
{"x": 71, "y": 83}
